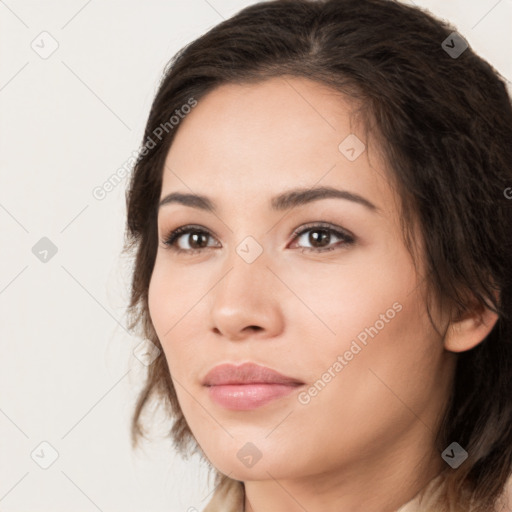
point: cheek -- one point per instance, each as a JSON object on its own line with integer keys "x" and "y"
{"x": 164, "y": 308}
{"x": 391, "y": 352}
{"x": 158, "y": 300}
{"x": 169, "y": 295}
{"x": 375, "y": 395}
{"x": 173, "y": 306}
{"x": 372, "y": 321}
{"x": 355, "y": 298}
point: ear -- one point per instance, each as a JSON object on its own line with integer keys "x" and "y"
{"x": 470, "y": 328}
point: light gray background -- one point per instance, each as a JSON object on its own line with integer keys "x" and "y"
{"x": 68, "y": 375}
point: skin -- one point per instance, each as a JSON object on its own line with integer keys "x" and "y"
{"x": 365, "y": 441}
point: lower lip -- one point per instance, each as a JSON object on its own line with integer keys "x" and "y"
{"x": 244, "y": 397}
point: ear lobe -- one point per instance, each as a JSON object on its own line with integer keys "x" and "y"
{"x": 469, "y": 329}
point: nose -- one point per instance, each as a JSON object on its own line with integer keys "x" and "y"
{"x": 245, "y": 303}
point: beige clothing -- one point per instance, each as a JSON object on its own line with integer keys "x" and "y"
{"x": 229, "y": 497}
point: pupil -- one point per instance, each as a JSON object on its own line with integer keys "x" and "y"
{"x": 323, "y": 239}
{"x": 195, "y": 236}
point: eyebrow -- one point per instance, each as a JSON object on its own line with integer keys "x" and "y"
{"x": 284, "y": 201}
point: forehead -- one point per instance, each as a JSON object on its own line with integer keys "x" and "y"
{"x": 247, "y": 139}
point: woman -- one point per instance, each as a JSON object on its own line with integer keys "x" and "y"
{"x": 321, "y": 218}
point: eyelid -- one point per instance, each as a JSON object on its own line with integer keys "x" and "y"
{"x": 338, "y": 230}
{"x": 347, "y": 237}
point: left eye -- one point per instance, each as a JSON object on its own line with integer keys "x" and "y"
{"x": 320, "y": 237}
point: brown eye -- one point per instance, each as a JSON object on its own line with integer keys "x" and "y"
{"x": 195, "y": 237}
{"x": 320, "y": 237}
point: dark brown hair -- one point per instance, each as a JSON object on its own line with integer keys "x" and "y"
{"x": 444, "y": 125}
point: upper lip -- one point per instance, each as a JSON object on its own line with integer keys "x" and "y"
{"x": 246, "y": 373}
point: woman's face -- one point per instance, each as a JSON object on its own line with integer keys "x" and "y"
{"x": 339, "y": 309}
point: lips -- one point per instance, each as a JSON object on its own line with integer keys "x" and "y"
{"x": 247, "y": 386}
{"x": 247, "y": 373}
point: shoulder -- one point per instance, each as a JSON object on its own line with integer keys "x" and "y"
{"x": 426, "y": 500}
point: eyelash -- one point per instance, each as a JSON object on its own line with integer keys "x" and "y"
{"x": 171, "y": 239}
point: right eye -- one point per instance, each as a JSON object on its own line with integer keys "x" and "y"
{"x": 198, "y": 239}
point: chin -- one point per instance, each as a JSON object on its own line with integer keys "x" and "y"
{"x": 246, "y": 463}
